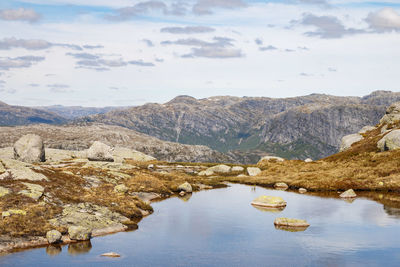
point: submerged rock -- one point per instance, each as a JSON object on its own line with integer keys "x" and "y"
{"x": 100, "y": 152}
{"x": 29, "y": 148}
{"x": 391, "y": 141}
{"x": 79, "y": 233}
{"x": 33, "y": 191}
{"x": 349, "y": 140}
{"x": 253, "y": 171}
{"x": 185, "y": 187}
{"x": 269, "y": 202}
{"x": 281, "y": 186}
{"x": 291, "y": 222}
{"x": 53, "y": 237}
{"x": 348, "y": 194}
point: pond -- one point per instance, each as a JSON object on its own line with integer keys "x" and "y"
{"x": 220, "y": 228}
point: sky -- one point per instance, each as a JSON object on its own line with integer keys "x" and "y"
{"x": 128, "y": 52}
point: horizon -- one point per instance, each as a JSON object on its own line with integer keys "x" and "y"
{"x": 118, "y": 53}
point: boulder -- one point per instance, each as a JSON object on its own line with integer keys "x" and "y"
{"x": 269, "y": 202}
{"x": 53, "y": 237}
{"x": 253, "y": 171}
{"x": 206, "y": 173}
{"x": 237, "y": 169}
{"x": 121, "y": 188}
{"x": 291, "y": 222}
{"x": 272, "y": 158}
{"x": 392, "y": 114}
{"x": 366, "y": 129}
{"x": 281, "y": 186}
{"x": 185, "y": 187}
{"x": 121, "y": 153}
{"x": 79, "y": 233}
{"x": 348, "y": 194}
{"x": 4, "y": 191}
{"x": 100, "y": 152}
{"x": 348, "y": 140}
{"x": 220, "y": 169}
{"x": 308, "y": 160}
{"x": 30, "y": 148}
{"x": 33, "y": 191}
{"x": 391, "y": 141}
{"x": 302, "y": 190}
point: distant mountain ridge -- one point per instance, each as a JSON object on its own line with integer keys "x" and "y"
{"x": 73, "y": 112}
{"x": 246, "y": 127}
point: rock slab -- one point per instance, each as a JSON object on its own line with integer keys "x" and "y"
{"x": 100, "y": 152}
{"x": 30, "y": 148}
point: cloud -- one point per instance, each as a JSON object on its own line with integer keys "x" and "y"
{"x": 267, "y": 48}
{"x": 7, "y": 63}
{"x": 32, "y": 44}
{"x": 93, "y": 46}
{"x": 328, "y": 27}
{"x": 59, "y": 88}
{"x": 384, "y": 20}
{"x": 83, "y": 56}
{"x": 212, "y": 52}
{"x": 332, "y": 70}
{"x": 306, "y": 74}
{"x": 187, "y": 30}
{"x": 258, "y": 41}
{"x": 148, "y": 42}
{"x": 34, "y": 85}
{"x": 20, "y": 14}
{"x": 141, "y": 63}
{"x": 315, "y": 2}
{"x": 206, "y": 7}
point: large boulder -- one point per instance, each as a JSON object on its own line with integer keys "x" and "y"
{"x": 30, "y": 148}
{"x": 269, "y": 202}
{"x": 53, "y": 237}
{"x": 220, "y": 169}
{"x": 272, "y": 159}
{"x": 185, "y": 187}
{"x": 253, "y": 171}
{"x": 121, "y": 153}
{"x": 348, "y": 140}
{"x": 392, "y": 114}
{"x": 391, "y": 141}
{"x": 79, "y": 233}
{"x": 100, "y": 152}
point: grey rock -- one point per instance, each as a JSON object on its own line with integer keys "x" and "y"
{"x": 281, "y": 186}
{"x": 206, "y": 173}
{"x": 53, "y": 237}
{"x": 30, "y": 148}
{"x": 121, "y": 153}
{"x": 271, "y": 158}
{"x": 185, "y": 187}
{"x": 253, "y": 171}
{"x": 121, "y": 188}
{"x": 33, "y": 191}
{"x": 390, "y": 141}
{"x": 348, "y": 140}
{"x": 237, "y": 169}
{"x": 308, "y": 160}
{"x": 348, "y": 194}
{"x": 100, "y": 152}
{"x": 79, "y": 233}
{"x": 366, "y": 129}
{"x": 18, "y": 170}
{"x": 392, "y": 114}
{"x": 220, "y": 169}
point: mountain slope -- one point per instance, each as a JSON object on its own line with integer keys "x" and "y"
{"x": 73, "y": 112}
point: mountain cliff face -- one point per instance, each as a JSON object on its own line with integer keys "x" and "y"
{"x": 247, "y": 127}
{"x": 17, "y": 115}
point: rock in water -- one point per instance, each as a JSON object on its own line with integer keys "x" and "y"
{"x": 253, "y": 171}
{"x": 348, "y": 140}
{"x": 111, "y": 255}
{"x": 30, "y": 149}
{"x": 53, "y": 236}
{"x": 348, "y": 194}
{"x": 281, "y": 186}
{"x": 291, "y": 222}
{"x": 391, "y": 141}
{"x": 79, "y": 233}
{"x": 186, "y": 187}
{"x": 100, "y": 152}
{"x": 302, "y": 190}
{"x": 269, "y": 202}
{"x": 366, "y": 129}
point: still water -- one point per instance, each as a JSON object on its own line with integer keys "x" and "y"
{"x": 220, "y": 228}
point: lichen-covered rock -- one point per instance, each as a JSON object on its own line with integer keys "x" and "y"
{"x": 366, "y": 129}
{"x": 79, "y": 233}
{"x": 30, "y": 148}
{"x": 272, "y": 159}
{"x": 111, "y": 255}
{"x": 348, "y": 140}
{"x": 33, "y": 191}
{"x": 206, "y": 173}
{"x": 253, "y": 171}
{"x": 391, "y": 141}
{"x": 348, "y": 194}
{"x": 185, "y": 187}
{"x": 4, "y": 191}
{"x": 269, "y": 202}
{"x": 220, "y": 169}
{"x": 392, "y": 114}
{"x": 121, "y": 188}
{"x": 13, "y": 212}
{"x": 100, "y": 152}
{"x": 18, "y": 170}
{"x": 120, "y": 154}
{"x": 237, "y": 169}
{"x": 291, "y": 222}
{"x": 53, "y": 237}
{"x": 302, "y": 190}
{"x": 281, "y": 186}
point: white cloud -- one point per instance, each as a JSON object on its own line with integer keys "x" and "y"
{"x": 386, "y": 19}
{"x": 19, "y": 14}
{"x": 206, "y": 7}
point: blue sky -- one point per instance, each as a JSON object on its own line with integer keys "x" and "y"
{"x": 127, "y": 52}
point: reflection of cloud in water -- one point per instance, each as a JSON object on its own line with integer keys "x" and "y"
{"x": 79, "y": 248}
{"x": 379, "y": 216}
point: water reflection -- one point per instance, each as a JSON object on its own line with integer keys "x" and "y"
{"x": 185, "y": 197}
{"x": 53, "y": 250}
{"x": 79, "y": 248}
{"x": 265, "y": 209}
{"x": 291, "y": 228}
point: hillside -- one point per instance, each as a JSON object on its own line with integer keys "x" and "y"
{"x": 247, "y": 127}
{"x": 73, "y": 112}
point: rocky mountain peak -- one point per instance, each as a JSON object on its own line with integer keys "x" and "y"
{"x": 183, "y": 99}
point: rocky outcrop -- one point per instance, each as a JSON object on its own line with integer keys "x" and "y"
{"x": 392, "y": 114}
{"x": 349, "y": 140}
{"x": 29, "y": 148}
{"x": 390, "y": 141}
{"x": 79, "y": 233}
{"x": 253, "y": 171}
{"x": 4, "y": 191}
{"x": 121, "y": 153}
{"x": 17, "y": 170}
{"x": 272, "y": 159}
{"x": 219, "y": 169}
{"x": 33, "y": 191}
{"x": 100, "y": 152}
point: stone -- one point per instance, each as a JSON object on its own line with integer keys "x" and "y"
{"x": 206, "y": 173}
{"x": 182, "y": 193}
{"x": 79, "y": 233}
{"x": 53, "y": 237}
{"x": 186, "y": 187}
{"x": 291, "y": 222}
{"x": 30, "y": 148}
{"x": 220, "y": 169}
{"x": 392, "y": 114}
{"x": 269, "y": 202}
{"x": 242, "y": 175}
{"x": 237, "y": 169}
{"x": 12, "y": 212}
{"x": 308, "y": 160}
{"x": 390, "y": 141}
{"x": 281, "y": 186}
{"x": 150, "y": 166}
{"x": 302, "y": 190}
{"x": 2, "y": 169}
{"x": 272, "y": 159}
{"x": 18, "y": 170}
{"x": 121, "y": 188}
{"x": 253, "y": 171}
{"x": 348, "y": 194}
{"x": 33, "y": 191}
{"x": 366, "y": 129}
{"x": 111, "y": 255}
{"x": 121, "y": 154}
{"x": 349, "y": 140}
{"x": 4, "y": 191}
{"x": 100, "y": 152}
